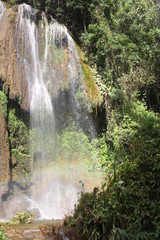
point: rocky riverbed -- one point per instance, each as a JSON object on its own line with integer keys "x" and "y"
{"x": 41, "y": 230}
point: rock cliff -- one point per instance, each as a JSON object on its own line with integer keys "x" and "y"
{"x": 12, "y": 83}
{"x": 9, "y": 66}
{"x": 4, "y": 149}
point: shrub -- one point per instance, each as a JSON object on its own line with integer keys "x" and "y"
{"x": 4, "y": 101}
{"x": 22, "y": 217}
{"x": 3, "y": 235}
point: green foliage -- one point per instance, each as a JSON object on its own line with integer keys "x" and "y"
{"x": 127, "y": 209}
{"x": 18, "y": 133}
{"x": 124, "y": 40}
{"x": 13, "y": 2}
{"x": 135, "y": 134}
{"x": 3, "y": 235}
{"x": 120, "y": 37}
{"x": 127, "y": 205}
{"x": 22, "y": 160}
{"x": 102, "y": 151}
{"x": 73, "y": 145}
{"x": 3, "y": 101}
{"x": 79, "y": 9}
{"x": 19, "y": 142}
{"x": 22, "y": 217}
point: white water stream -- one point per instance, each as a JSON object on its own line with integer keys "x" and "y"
{"x": 2, "y": 8}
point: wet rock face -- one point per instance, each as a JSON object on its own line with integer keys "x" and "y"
{"x": 12, "y": 80}
{"x": 10, "y": 69}
{"x": 4, "y": 149}
{"x": 4, "y": 146}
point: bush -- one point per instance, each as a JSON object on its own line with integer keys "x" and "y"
{"x": 3, "y": 101}
{"x": 22, "y": 217}
{"x": 128, "y": 208}
{"x": 3, "y": 235}
{"x": 18, "y": 132}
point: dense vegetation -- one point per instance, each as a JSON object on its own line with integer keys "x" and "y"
{"x": 121, "y": 40}
{"x": 17, "y": 130}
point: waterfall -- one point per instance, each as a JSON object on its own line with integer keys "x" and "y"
{"x": 41, "y": 107}
{"x": 60, "y": 123}
{"x": 2, "y": 8}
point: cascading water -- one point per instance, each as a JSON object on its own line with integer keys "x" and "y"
{"x": 47, "y": 56}
{"x": 41, "y": 107}
{"x": 2, "y": 8}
